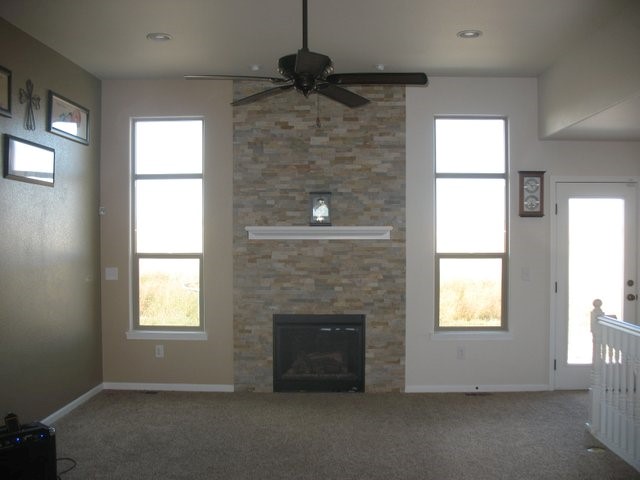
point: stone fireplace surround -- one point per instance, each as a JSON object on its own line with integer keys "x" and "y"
{"x": 280, "y": 155}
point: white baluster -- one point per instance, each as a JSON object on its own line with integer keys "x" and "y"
{"x": 609, "y": 385}
{"x": 624, "y": 391}
{"x": 630, "y": 354}
{"x": 596, "y": 371}
{"x": 617, "y": 386}
{"x": 635, "y": 398}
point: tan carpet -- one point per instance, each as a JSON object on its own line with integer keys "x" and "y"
{"x": 173, "y": 435}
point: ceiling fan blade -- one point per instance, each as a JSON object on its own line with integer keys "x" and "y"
{"x": 234, "y": 77}
{"x": 379, "y": 78}
{"x": 342, "y": 95}
{"x": 311, "y": 63}
{"x": 260, "y": 95}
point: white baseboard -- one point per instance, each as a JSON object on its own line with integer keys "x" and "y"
{"x": 57, "y": 415}
{"x": 198, "y": 387}
{"x": 168, "y": 387}
{"x": 475, "y": 388}
{"x": 175, "y": 387}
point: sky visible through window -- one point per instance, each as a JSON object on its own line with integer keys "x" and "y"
{"x": 168, "y": 186}
{"x": 470, "y": 212}
{"x": 169, "y": 211}
{"x": 596, "y": 256}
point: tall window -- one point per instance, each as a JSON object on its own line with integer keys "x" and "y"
{"x": 471, "y": 223}
{"x": 167, "y": 224}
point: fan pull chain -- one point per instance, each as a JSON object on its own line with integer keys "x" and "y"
{"x": 318, "y": 111}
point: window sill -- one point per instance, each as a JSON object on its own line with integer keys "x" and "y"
{"x": 156, "y": 335}
{"x": 469, "y": 335}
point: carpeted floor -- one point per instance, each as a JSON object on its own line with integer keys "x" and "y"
{"x": 174, "y": 435}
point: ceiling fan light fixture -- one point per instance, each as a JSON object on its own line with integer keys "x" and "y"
{"x": 467, "y": 34}
{"x": 159, "y": 36}
{"x": 310, "y": 72}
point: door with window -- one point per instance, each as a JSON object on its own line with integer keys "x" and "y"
{"x": 596, "y": 258}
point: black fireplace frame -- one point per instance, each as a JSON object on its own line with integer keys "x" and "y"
{"x": 341, "y": 321}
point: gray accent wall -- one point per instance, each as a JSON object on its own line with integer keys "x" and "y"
{"x": 50, "y": 336}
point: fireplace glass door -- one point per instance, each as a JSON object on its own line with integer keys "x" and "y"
{"x": 318, "y": 353}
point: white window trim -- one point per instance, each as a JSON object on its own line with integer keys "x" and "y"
{"x": 136, "y": 332}
{"x": 164, "y": 335}
{"x": 475, "y": 332}
{"x": 449, "y": 335}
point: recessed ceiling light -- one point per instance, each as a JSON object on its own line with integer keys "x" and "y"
{"x": 254, "y": 68}
{"x": 469, "y": 33}
{"x": 379, "y": 67}
{"x": 159, "y": 36}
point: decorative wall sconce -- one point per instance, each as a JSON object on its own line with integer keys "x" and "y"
{"x": 531, "y": 193}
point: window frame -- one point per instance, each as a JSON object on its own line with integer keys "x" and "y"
{"x": 504, "y": 255}
{"x": 136, "y": 328}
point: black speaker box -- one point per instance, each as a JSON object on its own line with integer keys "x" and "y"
{"x": 28, "y": 453}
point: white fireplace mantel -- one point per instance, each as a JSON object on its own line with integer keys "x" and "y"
{"x": 318, "y": 233}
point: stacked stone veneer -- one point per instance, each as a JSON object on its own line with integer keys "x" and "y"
{"x": 280, "y": 155}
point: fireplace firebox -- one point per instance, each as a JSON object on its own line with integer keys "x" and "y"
{"x": 320, "y": 353}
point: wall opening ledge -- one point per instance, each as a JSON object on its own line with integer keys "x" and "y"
{"x": 319, "y": 233}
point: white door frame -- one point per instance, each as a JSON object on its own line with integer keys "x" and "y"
{"x": 553, "y": 181}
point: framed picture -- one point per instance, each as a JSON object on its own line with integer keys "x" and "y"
{"x": 68, "y": 119}
{"x": 531, "y": 194}
{"x": 320, "y": 208}
{"x": 28, "y": 162}
{"x": 5, "y": 92}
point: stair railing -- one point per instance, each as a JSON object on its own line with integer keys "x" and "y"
{"x": 615, "y": 393}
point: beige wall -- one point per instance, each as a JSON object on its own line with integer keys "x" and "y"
{"x": 519, "y": 360}
{"x": 596, "y": 75}
{"x": 207, "y": 362}
{"x": 50, "y": 347}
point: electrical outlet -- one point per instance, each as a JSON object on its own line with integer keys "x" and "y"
{"x": 460, "y": 353}
{"x": 159, "y": 351}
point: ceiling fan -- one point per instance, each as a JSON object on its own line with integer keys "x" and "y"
{"x": 310, "y": 72}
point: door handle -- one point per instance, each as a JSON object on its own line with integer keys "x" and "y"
{"x": 631, "y": 297}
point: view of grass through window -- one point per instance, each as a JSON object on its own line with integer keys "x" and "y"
{"x": 169, "y": 293}
{"x": 168, "y": 223}
{"x": 471, "y": 185}
{"x": 470, "y": 293}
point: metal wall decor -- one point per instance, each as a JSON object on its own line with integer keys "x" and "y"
{"x": 5, "y": 92}
{"x": 32, "y": 101}
{"x": 531, "y": 193}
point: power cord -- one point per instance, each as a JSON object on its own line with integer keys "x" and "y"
{"x": 74, "y": 464}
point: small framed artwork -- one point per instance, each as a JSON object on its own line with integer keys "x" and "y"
{"x": 531, "y": 194}
{"x": 68, "y": 119}
{"x": 5, "y": 92}
{"x": 320, "y": 208}
{"x": 28, "y": 162}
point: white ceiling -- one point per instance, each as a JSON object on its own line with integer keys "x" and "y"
{"x": 520, "y": 37}
{"x": 107, "y": 37}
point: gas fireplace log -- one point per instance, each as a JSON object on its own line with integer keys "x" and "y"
{"x": 318, "y": 363}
